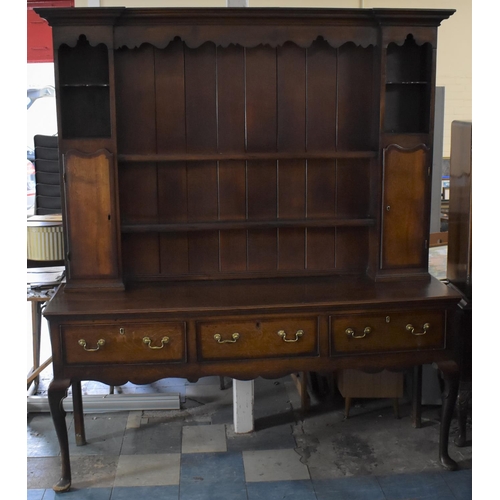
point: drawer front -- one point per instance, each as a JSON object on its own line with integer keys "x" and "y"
{"x": 124, "y": 343}
{"x": 265, "y": 338}
{"x": 409, "y": 330}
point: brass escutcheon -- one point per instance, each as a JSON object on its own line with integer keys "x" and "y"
{"x": 164, "y": 340}
{"x": 298, "y": 334}
{"x": 410, "y": 328}
{"x": 218, "y": 337}
{"x": 83, "y": 343}
{"x": 351, "y": 333}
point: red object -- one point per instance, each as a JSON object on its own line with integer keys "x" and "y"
{"x": 39, "y": 31}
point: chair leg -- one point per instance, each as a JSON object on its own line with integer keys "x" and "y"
{"x": 395, "y": 404}
{"x": 348, "y": 402}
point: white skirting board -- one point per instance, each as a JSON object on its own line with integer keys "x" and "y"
{"x": 111, "y": 402}
{"x": 243, "y": 403}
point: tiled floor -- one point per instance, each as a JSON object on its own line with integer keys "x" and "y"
{"x": 194, "y": 454}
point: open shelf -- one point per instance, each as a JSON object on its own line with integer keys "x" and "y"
{"x": 85, "y": 90}
{"x": 407, "y": 89}
{"x": 323, "y": 155}
{"x": 234, "y": 225}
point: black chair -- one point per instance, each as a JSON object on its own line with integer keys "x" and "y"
{"x": 47, "y": 175}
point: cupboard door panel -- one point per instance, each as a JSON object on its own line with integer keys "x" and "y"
{"x": 91, "y": 215}
{"x": 404, "y": 214}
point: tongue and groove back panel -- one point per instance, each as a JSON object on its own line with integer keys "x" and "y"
{"x": 247, "y": 143}
{"x": 239, "y": 161}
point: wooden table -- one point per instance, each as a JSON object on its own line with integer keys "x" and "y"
{"x": 245, "y": 329}
{"x": 38, "y": 298}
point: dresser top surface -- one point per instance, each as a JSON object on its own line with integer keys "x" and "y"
{"x": 260, "y": 295}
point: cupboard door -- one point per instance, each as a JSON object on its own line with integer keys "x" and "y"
{"x": 405, "y": 217}
{"x": 90, "y": 217}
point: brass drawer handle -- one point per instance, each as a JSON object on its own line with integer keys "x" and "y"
{"x": 218, "y": 337}
{"x": 351, "y": 333}
{"x": 164, "y": 340}
{"x": 411, "y": 329}
{"x": 83, "y": 343}
{"x": 298, "y": 334}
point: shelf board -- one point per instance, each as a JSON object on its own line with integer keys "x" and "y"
{"x": 80, "y": 85}
{"x": 408, "y": 83}
{"x": 327, "y": 155}
{"x": 244, "y": 224}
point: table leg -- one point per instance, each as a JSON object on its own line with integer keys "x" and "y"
{"x": 451, "y": 377}
{"x": 463, "y": 399}
{"x": 417, "y": 397}
{"x": 36, "y": 329}
{"x": 78, "y": 413}
{"x": 58, "y": 389}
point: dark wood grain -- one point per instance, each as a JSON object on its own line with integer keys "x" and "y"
{"x": 170, "y": 96}
{"x": 259, "y": 172}
{"x": 261, "y": 119}
{"x": 135, "y": 100}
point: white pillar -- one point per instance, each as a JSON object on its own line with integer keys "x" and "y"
{"x": 236, "y": 3}
{"x": 243, "y": 406}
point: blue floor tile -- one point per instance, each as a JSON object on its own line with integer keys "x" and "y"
{"x": 217, "y": 468}
{"x": 86, "y": 494}
{"x": 35, "y": 494}
{"x": 213, "y": 491}
{"x": 424, "y": 486}
{"x": 279, "y": 490}
{"x": 460, "y": 483}
{"x": 348, "y": 488}
{"x": 146, "y": 493}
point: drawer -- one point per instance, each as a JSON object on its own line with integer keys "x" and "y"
{"x": 124, "y": 343}
{"x": 250, "y": 339}
{"x": 408, "y": 330}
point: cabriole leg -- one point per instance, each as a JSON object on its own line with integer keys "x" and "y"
{"x": 78, "y": 413}
{"x": 58, "y": 389}
{"x": 450, "y": 374}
